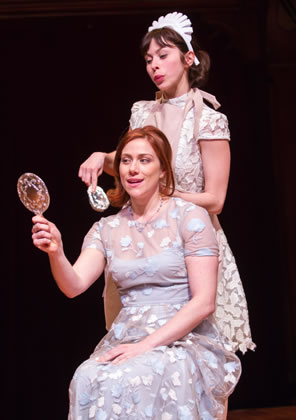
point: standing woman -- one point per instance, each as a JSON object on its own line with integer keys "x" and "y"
{"x": 199, "y": 137}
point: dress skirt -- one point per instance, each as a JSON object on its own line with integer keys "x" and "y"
{"x": 189, "y": 379}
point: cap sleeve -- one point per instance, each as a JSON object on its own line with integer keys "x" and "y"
{"x": 213, "y": 125}
{"x": 139, "y": 113}
{"x": 93, "y": 238}
{"x": 198, "y": 233}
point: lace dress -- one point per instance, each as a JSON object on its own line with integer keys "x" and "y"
{"x": 232, "y": 311}
{"x": 186, "y": 380}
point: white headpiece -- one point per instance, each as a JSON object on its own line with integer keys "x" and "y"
{"x": 179, "y": 23}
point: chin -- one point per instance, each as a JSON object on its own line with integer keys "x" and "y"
{"x": 134, "y": 194}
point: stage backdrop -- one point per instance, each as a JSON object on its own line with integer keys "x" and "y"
{"x": 70, "y": 81}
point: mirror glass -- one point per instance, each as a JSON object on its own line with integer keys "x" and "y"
{"x": 33, "y": 193}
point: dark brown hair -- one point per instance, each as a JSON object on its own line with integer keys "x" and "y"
{"x": 166, "y": 37}
{"x": 160, "y": 144}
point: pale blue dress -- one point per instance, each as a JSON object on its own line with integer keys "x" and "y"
{"x": 191, "y": 377}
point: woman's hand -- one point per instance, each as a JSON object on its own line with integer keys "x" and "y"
{"x": 216, "y": 166}
{"x": 45, "y": 235}
{"x": 71, "y": 279}
{"x": 123, "y": 352}
{"x": 179, "y": 194}
{"x": 92, "y": 168}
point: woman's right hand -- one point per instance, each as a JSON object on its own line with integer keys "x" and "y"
{"x": 92, "y": 168}
{"x": 46, "y": 236}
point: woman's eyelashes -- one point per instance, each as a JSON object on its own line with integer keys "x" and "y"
{"x": 145, "y": 160}
{"x": 126, "y": 160}
{"x": 162, "y": 56}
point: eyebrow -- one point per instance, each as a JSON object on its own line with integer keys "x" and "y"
{"x": 157, "y": 51}
{"x": 139, "y": 155}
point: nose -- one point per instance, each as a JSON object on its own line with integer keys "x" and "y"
{"x": 154, "y": 63}
{"x": 134, "y": 167}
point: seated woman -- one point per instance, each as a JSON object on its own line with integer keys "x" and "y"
{"x": 163, "y": 357}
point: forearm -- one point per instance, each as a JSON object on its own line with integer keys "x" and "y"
{"x": 108, "y": 163}
{"x": 211, "y": 202}
{"x": 191, "y": 315}
{"x": 64, "y": 274}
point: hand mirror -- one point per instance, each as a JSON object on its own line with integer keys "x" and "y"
{"x": 33, "y": 193}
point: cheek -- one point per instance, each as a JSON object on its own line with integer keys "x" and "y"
{"x": 121, "y": 173}
{"x": 175, "y": 67}
{"x": 149, "y": 72}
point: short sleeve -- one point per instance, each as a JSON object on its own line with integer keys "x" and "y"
{"x": 198, "y": 233}
{"x": 139, "y": 113}
{"x": 213, "y": 125}
{"x": 93, "y": 238}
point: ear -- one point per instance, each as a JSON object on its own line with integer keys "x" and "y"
{"x": 162, "y": 174}
{"x": 189, "y": 58}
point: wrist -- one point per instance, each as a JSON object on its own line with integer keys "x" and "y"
{"x": 152, "y": 340}
{"x": 108, "y": 162}
{"x": 57, "y": 254}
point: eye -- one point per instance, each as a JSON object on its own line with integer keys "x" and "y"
{"x": 148, "y": 61}
{"x": 162, "y": 56}
{"x": 124, "y": 160}
{"x": 145, "y": 160}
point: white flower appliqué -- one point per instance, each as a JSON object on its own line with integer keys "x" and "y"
{"x": 125, "y": 241}
{"x": 195, "y": 225}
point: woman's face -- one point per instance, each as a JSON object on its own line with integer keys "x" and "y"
{"x": 166, "y": 70}
{"x": 140, "y": 169}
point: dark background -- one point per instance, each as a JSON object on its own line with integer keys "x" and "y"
{"x": 70, "y": 72}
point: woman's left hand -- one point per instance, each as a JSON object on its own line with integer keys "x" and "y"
{"x": 123, "y": 352}
{"x": 185, "y": 195}
{"x": 178, "y": 194}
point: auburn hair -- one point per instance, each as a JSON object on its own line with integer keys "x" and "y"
{"x": 160, "y": 144}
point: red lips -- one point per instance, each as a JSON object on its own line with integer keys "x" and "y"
{"x": 158, "y": 79}
{"x": 134, "y": 181}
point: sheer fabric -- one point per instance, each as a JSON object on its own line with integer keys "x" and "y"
{"x": 190, "y": 378}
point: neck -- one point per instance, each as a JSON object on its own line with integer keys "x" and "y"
{"x": 143, "y": 209}
{"x": 182, "y": 88}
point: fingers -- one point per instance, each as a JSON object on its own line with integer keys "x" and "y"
{"x": 84, "y": 175}
{"x": 94, "y": 183}
{"x": 120, "y": 359}
{"x": 41, "y": 234}
{"x": 109, "y": 355}
{"x": 118, "y": 353}
{"x": 121, "y": 353}
{"x": 89, "y": 176}
{"x": 41, "y": 243}
{"x": 91, "y": 169}
{"x": 38, "y": 218}
{"x": 45, "y": 236}
{"x": 40, "y": 223}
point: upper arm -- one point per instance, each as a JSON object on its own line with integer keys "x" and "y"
{"x": 202, "y": 276}
{"x": 216, "y": 165}
{"x": 89, "y": 266}
{"x": 201, "y": 252}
